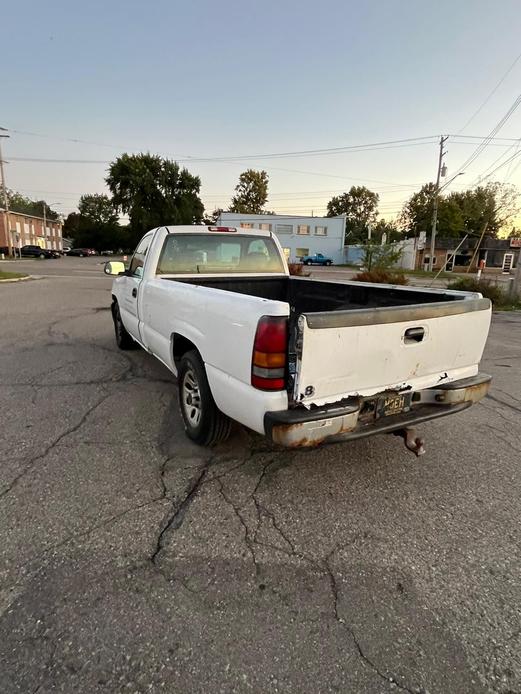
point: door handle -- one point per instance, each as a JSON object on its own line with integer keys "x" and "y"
{"x": 134, "y": 292}
{"x": 413, "y": 335}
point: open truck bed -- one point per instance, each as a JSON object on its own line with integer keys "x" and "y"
{"x": 358, "y": 339}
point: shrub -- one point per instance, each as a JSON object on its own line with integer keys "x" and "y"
{"x": 380, "y": 276}
{"x": 295, "y": 268}
{"x": 490, "y": 291}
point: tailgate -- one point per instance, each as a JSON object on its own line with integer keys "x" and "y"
{"x": 367, "y": 351}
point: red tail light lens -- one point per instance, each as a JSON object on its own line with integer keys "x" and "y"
{"x": 268, "y": 368}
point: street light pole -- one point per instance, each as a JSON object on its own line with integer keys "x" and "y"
{"x": 435, "y": 210}
{"x": 4, "y": 194}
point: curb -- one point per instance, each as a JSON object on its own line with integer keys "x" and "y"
{"x": 18, "y": 279}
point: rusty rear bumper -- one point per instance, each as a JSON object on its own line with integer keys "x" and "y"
{"x": 300, "y": 427}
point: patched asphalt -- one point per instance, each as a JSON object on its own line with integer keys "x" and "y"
{"x": 134, "y": 561}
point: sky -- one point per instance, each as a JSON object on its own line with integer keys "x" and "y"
{"x": 203, "y": 79}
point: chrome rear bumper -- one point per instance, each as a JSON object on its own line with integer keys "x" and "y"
{"x": 300, "y": 427}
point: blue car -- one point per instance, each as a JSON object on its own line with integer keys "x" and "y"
{"x": 317, "y": 259}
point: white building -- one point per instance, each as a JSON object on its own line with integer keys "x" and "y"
{"x": 298, "y": 236}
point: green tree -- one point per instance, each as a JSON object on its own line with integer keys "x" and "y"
{"x": 390, "y": 229}
{"x": 71, "y": 225}
{"x": 154, "y": 191}
{"x": 360, "y": 206}
{"x": 23, "y": 204}
{"x": 459, "y": 213}
{"x": 97, "y": 223}
{"x": 251, "y": 193}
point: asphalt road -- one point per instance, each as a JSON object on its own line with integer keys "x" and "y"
{"x": 134, "y": 561}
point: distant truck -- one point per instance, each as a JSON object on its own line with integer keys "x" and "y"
{"x": 317, "y": 259}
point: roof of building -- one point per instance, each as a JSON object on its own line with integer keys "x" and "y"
{"x": 32, "y": 216}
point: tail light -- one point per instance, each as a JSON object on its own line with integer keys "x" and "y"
{"x": 268, "y": 368}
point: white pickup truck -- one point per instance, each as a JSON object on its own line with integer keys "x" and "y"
{"x": 302, "y": 361}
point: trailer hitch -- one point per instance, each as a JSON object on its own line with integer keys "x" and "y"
{"x": 412, "y": 442}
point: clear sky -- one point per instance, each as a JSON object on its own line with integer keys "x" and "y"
{"x": 219, "y": 79}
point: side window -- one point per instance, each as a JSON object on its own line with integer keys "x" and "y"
{"x": 136, "y": 264}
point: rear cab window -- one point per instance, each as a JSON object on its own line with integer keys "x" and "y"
{"x": 218, "y": 253}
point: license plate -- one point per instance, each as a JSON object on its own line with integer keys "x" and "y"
{"x": 394, "y": 403}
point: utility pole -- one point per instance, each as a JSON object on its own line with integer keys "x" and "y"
{"x": 4, "y": 194}
{"x": 436, "y": 196}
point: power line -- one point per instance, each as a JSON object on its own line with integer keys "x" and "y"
{"x": 480, "y": 108}
{"x": 479, "y": 149}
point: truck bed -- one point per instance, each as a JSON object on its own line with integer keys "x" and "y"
{"x": 311, "y": 296}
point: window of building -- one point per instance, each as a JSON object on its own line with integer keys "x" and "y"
{"x": 265, "y": 227}
{"x": 320, "y": 231}
{"x": 284, "y": 229}
{"x": 301, "y": 252}
{"x": 426, "y": 260}
{"x": 303, "y": 229}
{"x": 246, "y": 225}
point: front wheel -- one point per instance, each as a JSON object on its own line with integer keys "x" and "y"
{"x": 41, "y": 255}
{"x": 307, "y": 262}
{"x": 204, "y": 422}
{"x": 328, "y": 263}
{"x": 123, "y": 338}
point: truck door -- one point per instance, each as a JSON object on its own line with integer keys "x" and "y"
{"x": 130, "y": 292}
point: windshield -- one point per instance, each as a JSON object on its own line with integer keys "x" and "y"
{"x": 216, "y": 253}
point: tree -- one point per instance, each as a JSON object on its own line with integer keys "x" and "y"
{"x": 390, "y": 229}
{"x": 154, "y": 191}
{"x": 23, "y": 204}
{"x": 251, "y": 193}
{"x": 360, "y": 205}
{"x": 97, "y": 223}
{"x": 460, "y": 213}
{"x": 71, "y": 225}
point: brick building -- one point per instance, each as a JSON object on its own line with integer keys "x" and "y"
{"x": 498, "y": 254}
{"x": 28, "y": 230}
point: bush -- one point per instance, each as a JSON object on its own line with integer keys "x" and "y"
{"x": 490, "y": 291}
{"x": 296, "y": 268}
{"x": 380, "y": 276}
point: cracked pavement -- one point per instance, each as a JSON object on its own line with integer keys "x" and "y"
{"x": 132, "y": 560}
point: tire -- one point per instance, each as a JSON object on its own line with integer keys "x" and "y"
{"x": 80, "y": 255}
{"x": 123, "y": 338}
{"x": 328, "y": 263}
{"x": 204, "y": 423}
{"x": 41, "y": 255}
{"x": 307, "y": 262}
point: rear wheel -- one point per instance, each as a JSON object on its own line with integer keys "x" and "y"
{"x": 307, "y": 262}
{"x": 204, "y": 422}
{"x": 123, "y": 338}
{"x": 80, "y": 255}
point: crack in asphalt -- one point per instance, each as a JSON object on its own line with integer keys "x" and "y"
{"x": 52, "y": 445}
{"x": 391, "y": 679}
{"x": 247, "y": 539}
{"x": 175, "y": 518}
{"x": 505, "y": 404}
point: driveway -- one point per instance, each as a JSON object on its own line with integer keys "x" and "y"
{"x": 134, "y": 561}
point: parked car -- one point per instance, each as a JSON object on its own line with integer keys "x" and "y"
{"x": 317, "y": 259}
{"x": 82, "y": 252}
{"x": 301, "y": 361}
{"x": 37, "y": 252}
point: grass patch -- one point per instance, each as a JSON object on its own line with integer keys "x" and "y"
{"x": 499, "y": 298}
{"x": 11, "y": 275}
{"x": 380, "y": 276}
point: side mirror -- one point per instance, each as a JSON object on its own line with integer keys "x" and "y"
{"x": 114, "y": 267}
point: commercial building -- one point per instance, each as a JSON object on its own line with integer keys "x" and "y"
{"x": 298, "y": 236}
{"x": 25, "y": 229}
{"x": 498, "y": 254}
